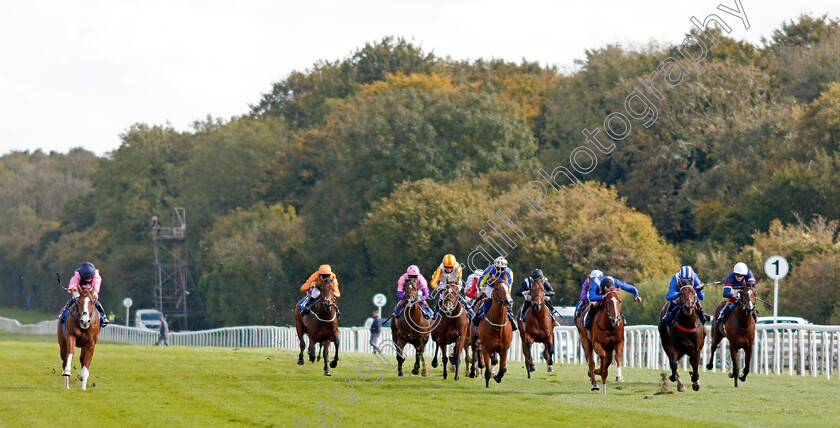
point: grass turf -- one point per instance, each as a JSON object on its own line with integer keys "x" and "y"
{"x": 149, "y": 386}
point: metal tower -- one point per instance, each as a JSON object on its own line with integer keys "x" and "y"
{"x": 173, "y": 282}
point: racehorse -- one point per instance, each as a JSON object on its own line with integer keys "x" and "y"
{"x": 321, "y": 325}
{"x": 684, "y": 335}
{"x": 495, "y": 331}
{"x": 538, "y": 327}
{"x": 450, "y": 327}
{"x": 79, "y": 330}
{"x": 739, "y": 330}
{"x": 411, "y": 327}
{"x": 606, "y": 338}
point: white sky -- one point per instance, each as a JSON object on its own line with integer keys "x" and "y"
{"x": 79, "y": 73}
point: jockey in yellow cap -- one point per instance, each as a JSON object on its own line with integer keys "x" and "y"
{"x": 310, "y": 286}
{"x": 449, "y": 272}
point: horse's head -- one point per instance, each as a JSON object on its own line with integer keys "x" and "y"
{"x": 687, "y": 299}
{"x": 537, "y": 294}
{"x": 501, "y": 293}
{"x": 411, "y": 289}
{"x": 746, "y": 298}
{"x": 450, "y": 297}
{"x": 328, "y": 291}
{"x": 84, "y": 307}
{"x": 612, "y": 300}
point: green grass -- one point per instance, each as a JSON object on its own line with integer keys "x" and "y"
{"x": 149, "y": 386}
{"x": 26, "y": 316}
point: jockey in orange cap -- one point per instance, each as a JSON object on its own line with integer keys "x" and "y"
{"x": 310, "y": 286}
{"x": 449, "y": 272}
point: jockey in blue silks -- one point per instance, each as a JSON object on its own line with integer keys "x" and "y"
{"x": 497, "y": 271}
{"x": 685, "y": 277}
{"x": 597, "y": 291}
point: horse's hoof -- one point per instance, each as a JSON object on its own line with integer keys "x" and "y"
{"x": 444, "y": 375}
{"x": 550, "y": 369}
{"x": 425, "y": 373}
{"x": 333, "y": 364}
{"x": 300, "y": 361}
{"x": 709, "y": 366}
{"x": 311, "y": 359}
{"x": 743, "y": 378}
{"x": 619, "y": 378}
{"x": 696, "y": 386}
{"x": 672, "y": 378}
{"x": 533, "y": 368}
{"x": 731, "y": 375}
{"x": 456, "y": 378}
{"x": 400, "y": 374}
{"x": 595, "y": 388}
{"x": 434, "y": 364}
{"x": 681, "y": 388}
{"x": 415, "y": 372}
{"x": 79, "y": 376}
{"x": 65, "y": 373}
{"x": 471, "y": 374}
{"x": 327, "y": 374}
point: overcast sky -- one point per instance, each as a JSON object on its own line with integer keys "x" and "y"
{"x": 79, "y": 73}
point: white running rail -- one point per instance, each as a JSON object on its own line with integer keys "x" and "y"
{"x": 806, "y": 350}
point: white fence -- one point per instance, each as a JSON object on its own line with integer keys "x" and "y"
{"x": 808, "y": 350}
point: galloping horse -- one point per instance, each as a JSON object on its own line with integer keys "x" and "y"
{"x": 740, "y": 331}
{"x": 411, "y": 327}
{"x": 607, "y": 337}
{"x": 321, "y": 325}
{"x": 538, "y": 327}
{"x": 450, "y": 327}
{"x": 79, "y": 330}
{"x": 685, "y": 335}
{"x": 495, "y": 331}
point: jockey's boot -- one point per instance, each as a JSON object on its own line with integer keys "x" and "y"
{"x": 66, "y": 305}
{"x": 398, "y": 309}
{"x": 306, "y": 306}
{"x": 525, "y": 307}
{"x": 103, "y": 319}
{"x": 724, "y": 313}
{"x": 427, "y": 311}
{"x": 589, "y": 315}
{"x": 512, "y": 320}
{"x": 666, "y": 319}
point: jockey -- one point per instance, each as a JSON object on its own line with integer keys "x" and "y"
{"x": 596, "y": 294}
{"x": 740, "y": 277}
{"x": 524, "y": 290}
{"x": 448, "y": 272}
{"x": 86, "y": 276}
{"x": 413, "y": 272}
{"x": 312, "y": 287}
{"x": 498, "y": 270}
{"x": 472, "y": 289}
{"x": 584, "y": 291}
{"x": 686, "y": 276}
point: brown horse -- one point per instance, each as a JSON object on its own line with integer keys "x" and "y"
{"x": 606, "y": 338}
{"x": 321, "y": 325}
{"x": 472, "y": 349}
{"x": 495, "y": 331}
{"x": 411, "y": 327}
{"x": 538, "y": 327}
{"x": 684, "y": 335}
{"x": 79, "y": 330}
{"x": 739, "y": 330}
{"x": 450, "y": 327}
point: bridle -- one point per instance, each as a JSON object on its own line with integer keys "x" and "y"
{"x": 747, "y": 305}
{"x": 539, "y": 299}
{"x": 501, "y": 301}
{"x": 327, "y": 302}
{"x": 450, "y": 301}
{"x": 615, "y": 320}
{"x": 688, "y": 303}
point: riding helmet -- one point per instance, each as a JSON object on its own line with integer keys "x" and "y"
{"x": 413, "y": 270}
{"x": 449, "y": 261}
{"x": 740, "y": 268}
{"x": 500, "y": 262}
{"x": 687, "y": 273}
{"x": 537, "y": 275}
{"x": 87, "y": 270}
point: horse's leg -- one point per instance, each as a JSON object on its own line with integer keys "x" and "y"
{"x": 86, "y": 357}
{"x": 311, "y": 349}
{"x": 526, "y": 350}
{"x": 325, "y": 348}
{"x": 423, "y": 358}
{"x": 502, "y": 366}
{"x": 602, "y": 354}
{"x": 443, "y": 357}
{"x": 733, "y": 353}
{"x": 717, "y": 336}
{"x": 70, "y": 347}
{"x": 747, "y": 361}
{"x": 400, "y": 356}
{"x": 550, "y": 348}
{"x": 434, "y": 359}
{"x": 485, "y": 356}
{"x": 673, "y": 359}
{"x": 300, "y": 332}
{"x": 694, "y": 359}
{"x": 337, "y": 342}
{"x": 619, "y": 349}
{"x": 416, "y": 369}
{"x": 605, "y": 365}
{"x": 459, "y": 346}
{"x": 590, "y": 359}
